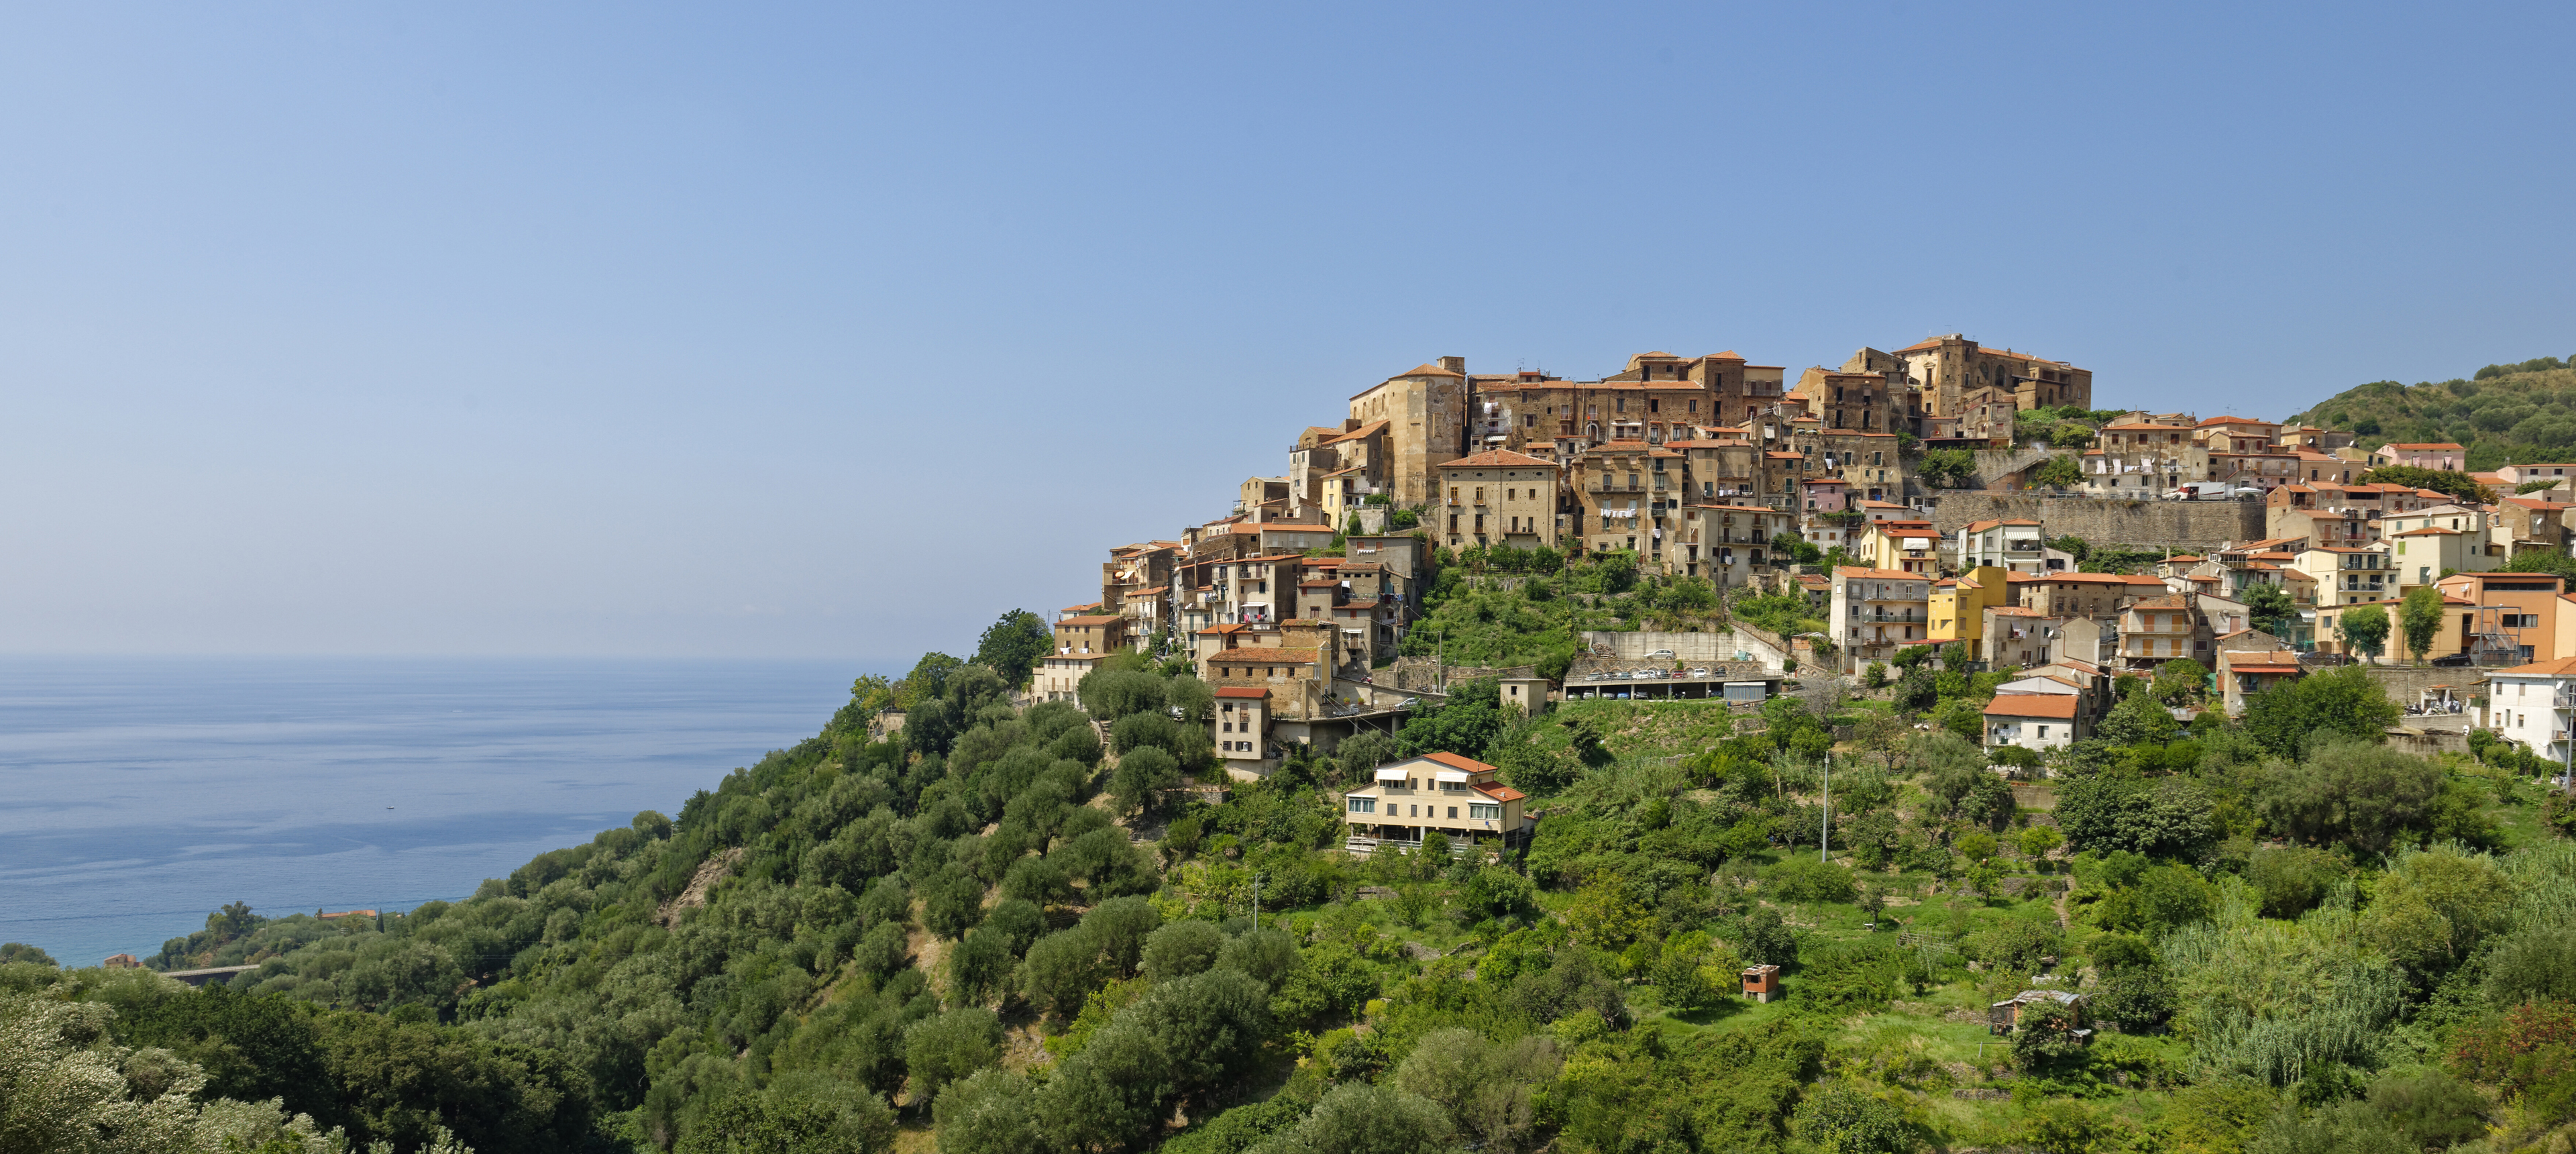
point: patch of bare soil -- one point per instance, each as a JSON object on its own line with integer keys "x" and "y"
{"x": 930, "y": 952}
{"x": 1023, "y": 1048}
{"x": 710, "y": 872}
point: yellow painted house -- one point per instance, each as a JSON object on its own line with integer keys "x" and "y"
{"x": 1906, "y": 546}
{"x": 1958, "y": 605}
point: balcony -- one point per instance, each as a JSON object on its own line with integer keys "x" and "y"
{"x": 1905, "y": 616}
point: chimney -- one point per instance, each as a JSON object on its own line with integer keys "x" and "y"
{"x": 1456, "y": 365}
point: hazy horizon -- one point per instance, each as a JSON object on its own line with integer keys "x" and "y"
{"x": 806, "y": 331}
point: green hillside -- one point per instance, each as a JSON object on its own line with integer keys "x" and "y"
{"x": 992, "y": 932}
{"x": 2505, "y": 413}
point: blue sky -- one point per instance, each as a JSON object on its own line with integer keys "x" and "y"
{"x": 836, "y": 330}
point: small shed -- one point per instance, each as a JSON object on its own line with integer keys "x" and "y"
{"x": 1761, "y": 983}
{"x": 1526, "y": 696}
{"x": 2003, "y": 1016}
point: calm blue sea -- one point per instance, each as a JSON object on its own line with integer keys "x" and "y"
{"x": 136, "y": 795}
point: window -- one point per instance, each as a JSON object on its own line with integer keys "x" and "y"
{"x": 1484, "y": 811}
{"x": 1453, "y": 813}
{"x": 1413, "y": 811}
{"x": 1363, "y": 805}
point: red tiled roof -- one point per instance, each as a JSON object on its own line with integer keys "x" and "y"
{"x": 1457, "y": 761}
{"x": 1425, "y": 370}
{"x": 1497, "y": 458}
{"x": 1865, "y": 572}
{"x": 2050, "y": 705}
{"x": 1265, "y": 655}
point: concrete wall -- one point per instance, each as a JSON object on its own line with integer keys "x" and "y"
{"x": 1692, "y": 647}
{"x": 2405, "y": 684}
{"x": 1412, "y": 675}
{"x": 2197, "y": 526}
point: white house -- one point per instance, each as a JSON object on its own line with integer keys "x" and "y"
{"x": 2532, "y": 704}
{"x": 2041, "y": 721}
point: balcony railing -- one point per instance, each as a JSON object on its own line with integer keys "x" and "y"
{"x": 1904, "y": 616}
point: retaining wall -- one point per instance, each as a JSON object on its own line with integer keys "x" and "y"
{"x": 1692, "y": 647}
{"x": 2193, "y": 525}
{"x": 1422, "y": 674}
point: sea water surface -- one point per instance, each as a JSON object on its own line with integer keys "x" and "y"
{"x": 138, "y": 794}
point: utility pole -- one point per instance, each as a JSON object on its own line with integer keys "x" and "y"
{"x": 1825, "y": 835}
{"x": 1256, "y": 903}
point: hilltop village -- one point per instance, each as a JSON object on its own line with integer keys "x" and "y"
{"x": 1950, "y": 496}
{"x": 1904, "y": 757}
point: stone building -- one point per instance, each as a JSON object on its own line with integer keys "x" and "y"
{"x": 1331, "y": 471}
{"x": 1728, "y": 544}
{"x": 1946, "y": 368}
{"x": 1091, "y": 633}
{"x": 1659, "y": 397}
{"x": 1498, "y": 497}
{"x": 1425, "y": 410}
{"x": 1869, "y": 402}
{"x": 1625, "y": 495}
{"x": 2241, "y": 435}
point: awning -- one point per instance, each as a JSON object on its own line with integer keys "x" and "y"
{"x": 1391, "y": 775}
{"x": 1918, "y": 543}
{"x": 1457, "y": 775}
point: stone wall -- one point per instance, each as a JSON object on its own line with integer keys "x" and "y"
{"x": 1996, "y": 467}
{"x": 2196, "y": 526}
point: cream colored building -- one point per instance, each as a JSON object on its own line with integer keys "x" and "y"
{"x": 1443, "y": 792}
{"x": 1498, "y": 497}
{"x": 2425, "y": 542}
{"x": 1058, "y": 675}
{"x": 1242, "y": 723}
{"x": 2345, "y": 575}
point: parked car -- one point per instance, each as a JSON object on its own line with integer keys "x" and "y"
{"x": 2454, "y": 659}
{"x": 1700, "y": 672}
{"x": 1660, "y": 653}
